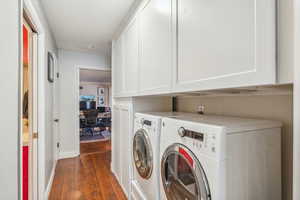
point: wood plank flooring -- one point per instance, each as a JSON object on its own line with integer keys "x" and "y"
{"x": 95, "y": 147}
{"x": 87, "y": 177}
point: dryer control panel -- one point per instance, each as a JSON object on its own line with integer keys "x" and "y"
{"x": 147, "y": 123}
{"x": 205, "y": 142}
{"x": 200, "y": 137}
{"x": 191, "y": 134}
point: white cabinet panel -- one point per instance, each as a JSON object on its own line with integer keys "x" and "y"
{"x": 225, "y": 43}
{"x": 121, "y": 148}
{"x": 118, "y": 67}
{"x": 286, "y": 41}
{"x": 116, "y": 168}
{"x": 125, "y": 148}
{"x": 130, "y": 67}
{"x": 156, "y": 46}
{"x": 193, "y": 45}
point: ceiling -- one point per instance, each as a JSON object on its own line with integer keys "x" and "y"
{"x": 86, "y": 25}
{"x": 87, "y": 75}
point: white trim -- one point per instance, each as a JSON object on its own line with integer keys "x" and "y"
{"x": 127, "y": 194}
{"x": 69, "y": 154}
{"x": 134, "y": 11}
{"x": 131, "y": 130}
{"x": 77, "y": 97}
{"x": 100, "y": 68}
{"x": 296, "y": 136}
{"x": 122, "y": 187}
{"x": 34, "y": 142}
{"x": 41, "y": 114}
{"x": 77, "y": 123}
{"x": 49, "y": 186}
{"x": 95, "y": 83}
{"x": 37, "y": 25}
{"x": 56, "y": 132}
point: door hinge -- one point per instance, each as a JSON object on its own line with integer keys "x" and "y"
{"x": 57, "y": 145}
{"x": 35, "y": 135}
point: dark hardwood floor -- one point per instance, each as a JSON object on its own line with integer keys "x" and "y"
{"x": 87, "y": 177}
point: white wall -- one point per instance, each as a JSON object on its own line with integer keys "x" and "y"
{"x": 9, "y": 81}
{"x": 91, "y": 88}
{"x": 68, "y": 63}
{"x": 279, "y": 107}
{"x": 49, "y": 95}
{"x": 9, "y": 72}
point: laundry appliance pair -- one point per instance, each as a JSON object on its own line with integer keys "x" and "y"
{"x": 184, "y": 156}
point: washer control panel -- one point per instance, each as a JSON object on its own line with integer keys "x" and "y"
{"x": 143, "y": 122}
{"x": 191, "y": 134}
{"x": 147, "y": 124}
{"x": 205, "y": 142}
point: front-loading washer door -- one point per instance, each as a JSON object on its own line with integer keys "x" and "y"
{"x": 142, "y": 154}
{"x": 183, "y": 177}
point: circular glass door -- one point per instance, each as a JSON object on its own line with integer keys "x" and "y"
{"x": 142, "y": 154}
{"x": 183, "y": 177}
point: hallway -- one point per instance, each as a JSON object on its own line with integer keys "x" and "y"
{"x": 87, "y": 177}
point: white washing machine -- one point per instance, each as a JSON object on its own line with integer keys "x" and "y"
{"x": 145, "y": 148}
{"x": 220, "y": 158}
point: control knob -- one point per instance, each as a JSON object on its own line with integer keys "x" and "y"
{"x": 181, "y": 132}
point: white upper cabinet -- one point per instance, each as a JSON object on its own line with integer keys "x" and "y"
{"x": 223, "y": 44}
{"x": 117, "y": 59}
{"x": 155, "y": 47}
{"x": 130, "y": 58}
{"x": 173, "y": 46}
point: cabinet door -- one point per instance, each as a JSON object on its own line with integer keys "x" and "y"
{"x": 130, "y": 69}
{"x": 225, "y": 44}
{"x": 125, "y": 126}
{"x": 121, "y": 144}
{"x": 156, "y": 46}
{"x": 117, "y": 67}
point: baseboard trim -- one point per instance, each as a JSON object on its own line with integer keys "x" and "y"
{"x": 121, "y": 185}
{"x": 71, "y": 154}
{"x": 112, "y": 169}
{"x": 49, "y": 186}
{"x": 124, "y": 190}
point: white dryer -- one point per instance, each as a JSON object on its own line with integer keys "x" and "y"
{"x": 145, "y": 150}
{"x": 220, "y": 158}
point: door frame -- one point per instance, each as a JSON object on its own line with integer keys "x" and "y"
{"x": 296, "y": 124}
{"x": 32, "y": 107}
{"x": 77, "y": 97}
{"x": 34, "y": 20}
{"x": 56, "y": 108}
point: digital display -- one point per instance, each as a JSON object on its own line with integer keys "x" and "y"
{"x": 147, "y": 122}
{"x": 199, "y": 136}
{"x": 195, "y": 135}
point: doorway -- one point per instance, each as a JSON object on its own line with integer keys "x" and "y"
{"x": 29, "y": 112}
{"x": 94, "y": 107}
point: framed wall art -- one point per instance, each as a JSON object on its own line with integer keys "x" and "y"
{"x": 50, "y": 67}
